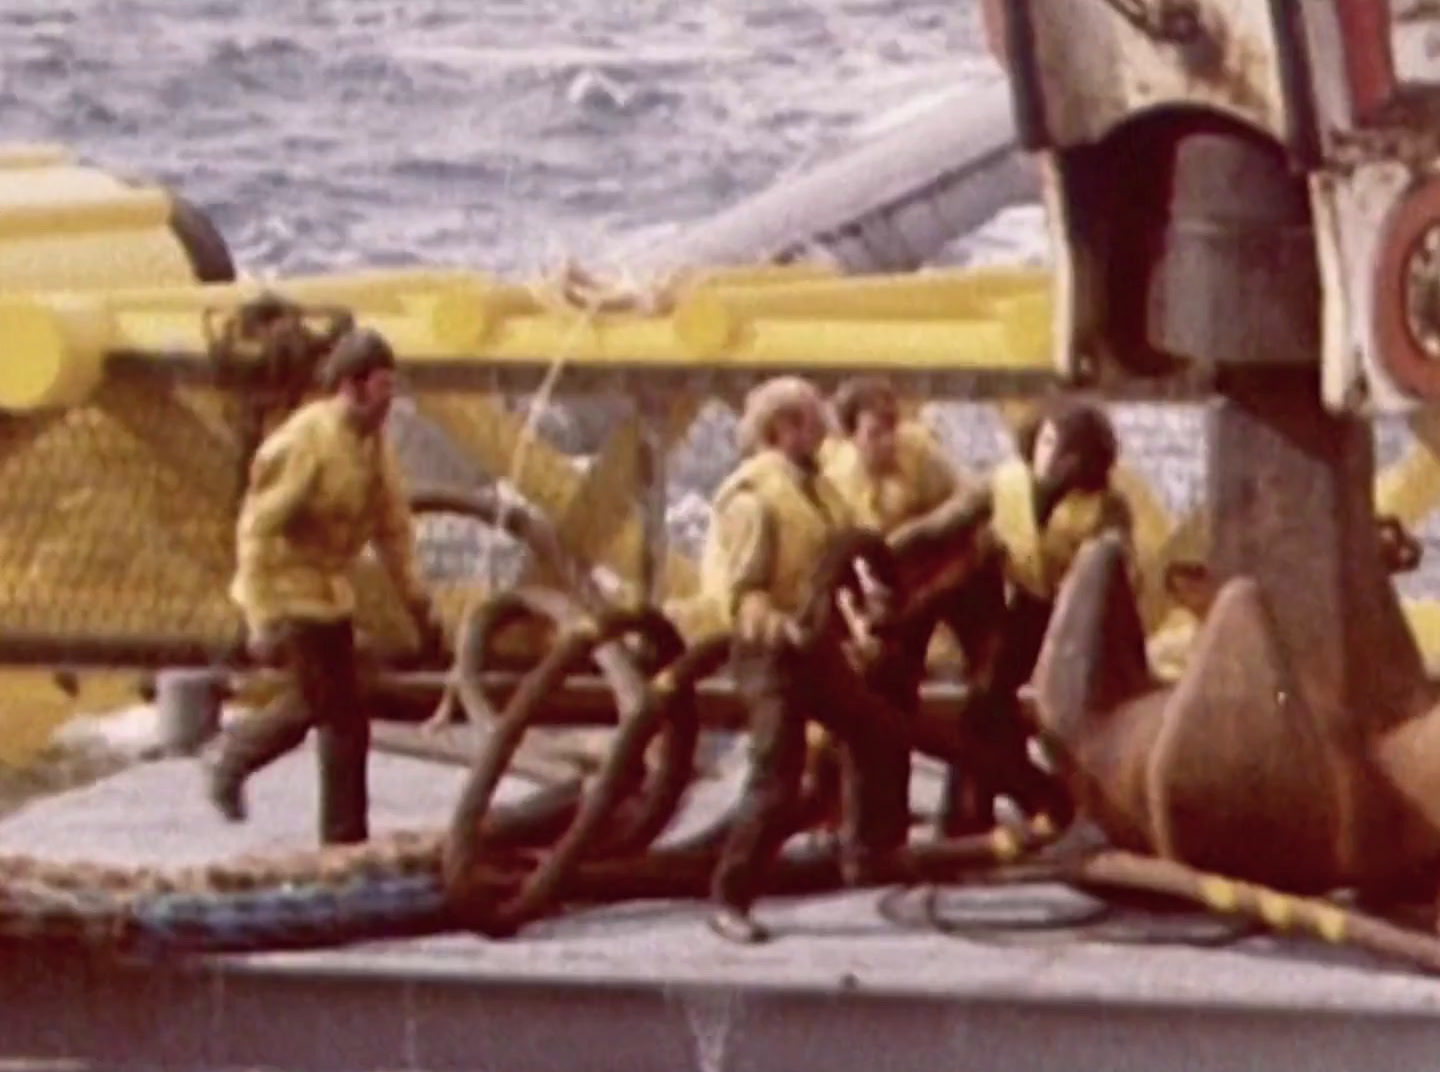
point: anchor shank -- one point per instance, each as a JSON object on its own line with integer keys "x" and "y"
{"x": 1291, "y": 505}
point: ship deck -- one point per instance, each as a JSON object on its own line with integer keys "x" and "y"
{"x": 647, "y": 986}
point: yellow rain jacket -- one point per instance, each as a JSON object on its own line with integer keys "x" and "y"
{"x": 766, "y": 534}
{"x": 923, "y": 478}
{"x": 1168, "y": 648}
{"x": 319, "y": 491}
{"x": 1037, "y": 561}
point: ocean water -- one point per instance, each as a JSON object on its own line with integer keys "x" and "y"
{"x": 324, "y": 133}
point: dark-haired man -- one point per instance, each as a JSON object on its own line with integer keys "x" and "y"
{"x": 1039, "y": 509}
{"x": 322, "y": 486}
{"x": 890, "y": 470}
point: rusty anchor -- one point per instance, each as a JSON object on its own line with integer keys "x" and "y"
{"x": 1301, "y": 746}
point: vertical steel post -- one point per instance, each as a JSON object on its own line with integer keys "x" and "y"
{"x": 651, "y": 479}
{"x": 1290, "y": 492}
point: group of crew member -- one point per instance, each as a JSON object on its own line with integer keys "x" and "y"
{"x": 795, "y": 489}
{"x": 326, "y": 483}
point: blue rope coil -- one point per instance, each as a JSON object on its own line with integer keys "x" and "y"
{"x": 287, "y": 917}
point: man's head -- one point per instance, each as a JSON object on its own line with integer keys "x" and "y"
{"x": 361, "y": 370}
{"x": 868, "y": 411}
{"x": 1072, "y": 446}
{"x": 786, "y": 414}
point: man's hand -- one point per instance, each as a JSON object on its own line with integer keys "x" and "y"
{"x": 862, "y": 645}
{"x": 1399, "y": 550}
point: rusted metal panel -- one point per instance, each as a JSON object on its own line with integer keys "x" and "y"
{"x": 1235, "y": 281}
{"x": 1100, "y": 68}
{"x": 1392, "y": 55}
{"x": 1319, "y": 31}
{"x": 1293, "y": 507}
{"x": 1369, "y": 68}
{"x": 1373, "y": 226}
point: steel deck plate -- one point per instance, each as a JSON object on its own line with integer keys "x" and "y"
{"x": 647, "y": 986}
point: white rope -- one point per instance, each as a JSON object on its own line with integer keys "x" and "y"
{"x": 539, "y": 405}
{"x": 571, "y": 290}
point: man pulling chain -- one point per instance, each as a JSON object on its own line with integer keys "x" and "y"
{"x": 772, "y": 520}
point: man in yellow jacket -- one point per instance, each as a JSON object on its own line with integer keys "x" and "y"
{"x": 772, "y": 521}
{"x": 888, "y": 469}
{"x": 1038, "y": 511}
{"x": 321, "y": 487}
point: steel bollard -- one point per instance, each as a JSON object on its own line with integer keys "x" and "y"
{"x": 188, "y": 705}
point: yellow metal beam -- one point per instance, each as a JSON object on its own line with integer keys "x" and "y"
{"x": 125, "y": 210}
{"x": 68, "y": 226}
{"x": 943, "y": 294}
{"x": 23, "y": 156}
{"x": 983, "y": 320}
{"x": 33, "y": 707}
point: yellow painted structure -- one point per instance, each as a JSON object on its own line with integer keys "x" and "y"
{"x": 67, "y": 225}
{"x": 33, "y": 707}
{"x": 991, "y": 320}
{"x": 64, "y": 225}
{"x": 119, "y": 480}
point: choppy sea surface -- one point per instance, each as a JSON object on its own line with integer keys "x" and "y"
{"x": 498, "y": 133}
{"x": 505, "y": 134}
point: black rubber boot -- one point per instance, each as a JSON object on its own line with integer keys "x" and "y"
{"x": 250, "y": 745}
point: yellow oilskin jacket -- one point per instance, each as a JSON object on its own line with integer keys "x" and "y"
{"x": 318, "y": 492}
{"x": 923, "y": 478}
{"x": 766, "y": 533}
{"x": 1037, "y": 561}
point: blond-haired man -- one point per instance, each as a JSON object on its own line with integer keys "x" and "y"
{"x": 772, "y": 520}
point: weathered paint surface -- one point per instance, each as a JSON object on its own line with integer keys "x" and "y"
{"x": 1098, "y": 69}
